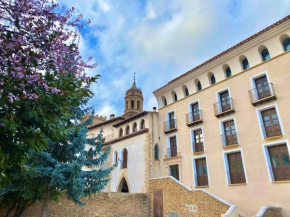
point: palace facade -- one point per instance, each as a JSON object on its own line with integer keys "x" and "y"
{"x": 223, "y": 126}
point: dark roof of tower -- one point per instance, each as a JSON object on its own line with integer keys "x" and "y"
{"x": 134, "y": 88}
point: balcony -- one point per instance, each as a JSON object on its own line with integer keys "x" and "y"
{"x": 262, "y": 95}
{"x": 197, "y": 147}
{"x": 224, "y": 108}
{"x": 230, "y": 140}
{"x": 193, "y": 118}
{"x": 272, "y": 130}
{"x": 171, "y": 152}
{"x": 170, "y": 126}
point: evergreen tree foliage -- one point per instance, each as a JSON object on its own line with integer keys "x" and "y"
{"x": 72, "y": 166}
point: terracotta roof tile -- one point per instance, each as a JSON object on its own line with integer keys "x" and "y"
{"x": 228, "y": 50}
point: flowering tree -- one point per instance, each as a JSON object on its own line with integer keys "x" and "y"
{"x": 42, "y": 77}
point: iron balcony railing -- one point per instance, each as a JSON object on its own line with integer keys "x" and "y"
{"x": 272, "y": 129}
{"x": 197, "y": 147}
{"x": 223, "y": 106}
{"x": 171, "y": 152}
{"x": 262, "y": 92}
{"x": 169, "y": 125}
{"x": 108, "y": 138}
{"x": 193, "y": 116}
{"x": 230, "y": 139}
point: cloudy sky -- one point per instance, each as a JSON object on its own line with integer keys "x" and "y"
{"x": 161, "y": 39}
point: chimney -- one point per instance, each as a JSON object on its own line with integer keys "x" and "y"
{"x": 154, "y": 109}
{"x": 112, "y": 116}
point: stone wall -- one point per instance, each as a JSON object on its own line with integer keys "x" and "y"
{"x": 99, "y": 205}
{"x": 177, "y": 197}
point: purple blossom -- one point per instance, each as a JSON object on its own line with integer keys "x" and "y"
{"x": 2, "y": 125}
{"x": 54, "y": 90}
{"x": 32, "y": 79}
{"x": 32, "y": 96}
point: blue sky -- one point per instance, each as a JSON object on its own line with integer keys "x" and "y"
{"x": 161, "y": 39}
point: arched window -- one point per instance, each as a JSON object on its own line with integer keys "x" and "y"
{"x": 164, "y": 101}
{"x": 138, "y": 105}
{"x": 228, "y": 72}
{"x": 246, "y": 64}
{"x": 121, "y": 132}
{"x": 127, "y": 130}
{"x": 265, "y": 54}
{"x": 135, "y": 127}
{"x": 127, "y": 104}
{"x": 142, "y": 124}
{"x": 199, "y": 87}
{"x": 115, "y": 158}
{"x": 90, "y": 154}
{"x": 175, "y": 97}
{"x": 124, "y": 158}
{"x": 286, "y": 44}
{"x": 212, "y": 79}
{"x": 186, "y": 92}
{"x": 132, "y": 104}
{"x": 156, "y": 152}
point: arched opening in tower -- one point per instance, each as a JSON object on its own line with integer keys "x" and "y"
{"x": 123, "y": 187}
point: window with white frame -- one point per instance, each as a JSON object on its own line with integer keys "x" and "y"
{"x": 224, "y": 101}
{"x": 172, "y": 146}
{"x": 195, "y": 113}
{"x": 234, "y": 166}
{"x": 278, "y": 161}
{"x": 270, "y": 123}
{"x": 200, "y": 171}
{"x": 262, "y": 88}
{"x": 171, "y": 122}
{"x": 197, "y": 140}
{"x": 229, "y": 134}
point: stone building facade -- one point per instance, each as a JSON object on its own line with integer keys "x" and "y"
{"x": 225, "y": 124}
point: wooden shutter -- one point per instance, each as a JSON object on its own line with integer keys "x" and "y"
{"x": 230, "y": 133}
{"x": 198, "y": 140}
{"x": 236, "y": 168}
{"x": 225, "y": 101}
{"x": 174, "y": 172}
{"x": 280, "y": 162}
{"x": 262, "y": 87}
{"x": 173, "y": 147}
{"x": 195, "y": 112}
{"x": 271, "y": 123}
{"x": 171, "y": 121}
{"x": 201, "y": 172}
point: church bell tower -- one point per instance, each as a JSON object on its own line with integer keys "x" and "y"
{"x": 133, "y": 101}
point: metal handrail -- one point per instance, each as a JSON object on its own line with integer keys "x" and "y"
{"x": 190, "y": 117}
{"x": 171, "y": 124}
{"x": 234, "y": 140}
{"x": 255, "y": 95}
{"x": 218, "y": 108}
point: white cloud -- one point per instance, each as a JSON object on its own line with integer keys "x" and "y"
{"x": 161, "y": 40}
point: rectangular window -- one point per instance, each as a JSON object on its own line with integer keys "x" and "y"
{"x": 174, "y": 172}
{"x": 271, "y": 126}
{"x": 280, "y": 162}
{"x": 197, "y": 141}
{"x": 230, "y": 135}
{"x": 195, "y": 114}
{"x": 225, "y": 101}
{"x": 171, "y": 120}
{"x": 173, "y": 147}
{"x": 236, "y": 174}
{"x": 201, "y": 172}
{"x": 262, "y": 87}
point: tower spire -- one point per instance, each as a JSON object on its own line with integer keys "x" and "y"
{"x": 134, "y": 76}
